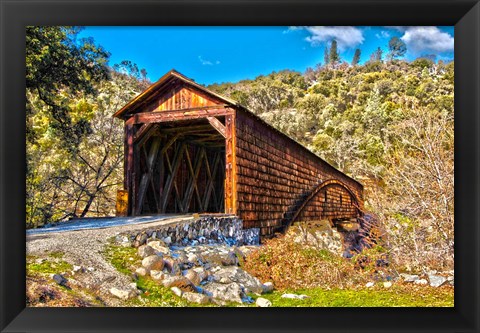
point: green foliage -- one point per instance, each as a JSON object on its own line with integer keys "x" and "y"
{"x": 356, "y": 57}
{"x": 397, "y": 48}
{"x": 334, "y": 56}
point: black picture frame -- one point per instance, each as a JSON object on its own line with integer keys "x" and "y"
{"x": 16, "y": 14}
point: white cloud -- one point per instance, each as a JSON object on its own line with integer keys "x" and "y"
{"x": 422, "y": 39}
{"x": 205, "y": 62}
{"x": 382, "y": 34}
{"x": 346, "y": 37}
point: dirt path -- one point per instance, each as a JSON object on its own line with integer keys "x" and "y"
{"x": 85, "y": 248}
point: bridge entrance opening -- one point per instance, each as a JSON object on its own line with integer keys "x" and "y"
{"x": 179, "y": 167}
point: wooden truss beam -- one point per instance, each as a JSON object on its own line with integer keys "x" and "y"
{"x": 176, "y": 115}
{"x": 217, "y": 124}
{"x": 147, "y": 176}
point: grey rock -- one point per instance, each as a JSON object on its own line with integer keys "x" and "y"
{"x": 193, "y": 277}
{"x": 294, "y": 296}
{"x": 145, "y": 251}
{"x": 59, "y": 279}
{"x": 177, "y": 291}
{"x": 267, "y": 287}
{"x": 409, "y": 278}
{"x": 236, "y": 274}
{"x": 263, "y": 302}
{"x": 196, "y": 298}
{"x": 436, "y": 280}
{"x": 158, "y": 275}
{"x": 421, "y": 282}
{"x": 78, "y": 269}
{"x": 172, "y": 266}
{"x": 178, "y": 281}
{"x": 140, "y": 239}
{"x": 154, "y": 262}
{"x": 123, "y": 294}
{"x": 159, "y": 246}
{"x": 231, "y": 292}
{"x": 142, "y": 271}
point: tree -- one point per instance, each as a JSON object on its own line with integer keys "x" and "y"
{"x": 326, "y": 56}
{"x": 59, "y": 69}
{"x": 334, "y": 57}
{"x": 397, "y": 48}
{"x": 58, "y": 64}
{"x": 378, "y": 54}
{"x": 356, "y": 57}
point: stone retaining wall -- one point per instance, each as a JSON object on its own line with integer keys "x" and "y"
{"x": 207, "y": 229}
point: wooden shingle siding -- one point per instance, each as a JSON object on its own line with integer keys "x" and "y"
{"x": 274, "y": 172}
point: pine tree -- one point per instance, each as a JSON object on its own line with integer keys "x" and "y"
{"x": 378, "y": 54}
{"x": 326, "y": 56}
{"x": 356, "y": 57}
{"x": 334, "y": 56}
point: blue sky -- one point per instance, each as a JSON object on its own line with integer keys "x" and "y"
{"x": 229, "y": 54}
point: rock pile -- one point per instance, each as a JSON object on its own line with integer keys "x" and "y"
{"x": 201, "y": 273}
{"x": 433, "y": 278}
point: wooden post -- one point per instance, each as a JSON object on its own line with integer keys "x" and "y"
{"x": 128, "y": 165}
{"x": 230, "y": 166}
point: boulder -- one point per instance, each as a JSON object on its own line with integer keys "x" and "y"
{"x": 436, "y": 280}
{"x": 421, "y": 282}
{"x": 154, "y": 262}
{"x": 193, "y": 277}
{"x": 145, "y": 251}
{"x": 196, "y": 298}
{"x": 178, "y": 281}
{"x": 78, "y": 269}
{"x": 159, "y": 246}
{"x": 263, "y": 302}
{"x": 142, "y": 271}
{"x": 59, "y": 279}
{"x": 177, "y": 291}
{"x": 231, "y": 292}
{"x": 409, "y": 277}
{"x": 123, "y": 294}
{"x": 219, "y": 257}
{"x": 172, "y": 266}
{"x": 140, "y": 240}
{"x": 267, "y": 287}
{"x": 236, "y": 274}
{"x": 158, "y": 275}
{"x": 202, "y": 273}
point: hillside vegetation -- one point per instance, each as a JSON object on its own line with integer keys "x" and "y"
{"x": 388, "y": 124}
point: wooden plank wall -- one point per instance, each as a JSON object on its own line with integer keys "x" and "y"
{"x": 274, "y": 172}
{"x": 331, "y": 202}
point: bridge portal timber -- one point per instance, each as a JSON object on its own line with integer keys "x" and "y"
{"x": 190, "y": 150}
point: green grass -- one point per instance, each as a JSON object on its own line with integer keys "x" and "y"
{"x": 55, "y": 266}
{"x": 396, "y": 296}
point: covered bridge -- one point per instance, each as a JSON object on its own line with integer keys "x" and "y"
{"x": 188, "y": 149}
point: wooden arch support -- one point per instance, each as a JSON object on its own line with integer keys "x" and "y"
{"x": 315, "y": 192}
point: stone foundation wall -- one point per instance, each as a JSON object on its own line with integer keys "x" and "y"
{"x": 203, "y": 230}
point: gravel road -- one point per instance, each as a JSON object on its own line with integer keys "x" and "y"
{"x": 84, "y": 247}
